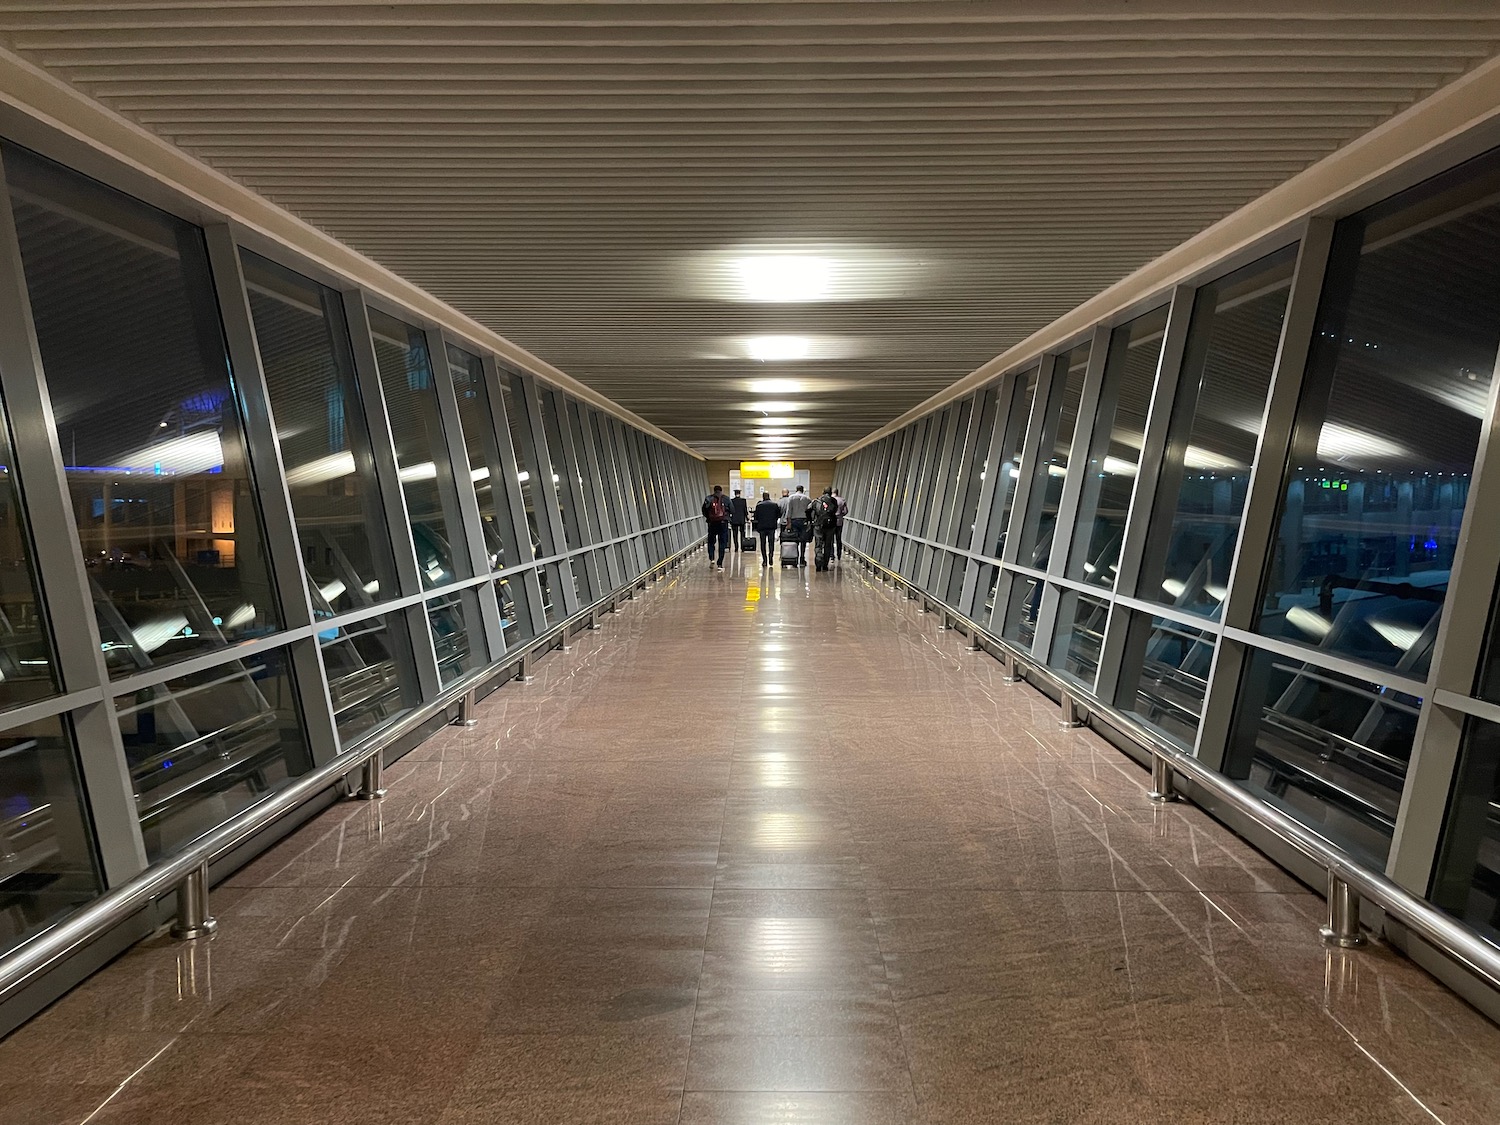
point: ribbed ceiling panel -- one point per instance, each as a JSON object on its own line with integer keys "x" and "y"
{"x": 587, "y": 178}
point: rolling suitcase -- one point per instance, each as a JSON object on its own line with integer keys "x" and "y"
{"x": 748, "y": 543}
{"x": 789, "y": 545}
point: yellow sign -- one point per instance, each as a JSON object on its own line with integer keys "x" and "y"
{"x": 767, "y": 470}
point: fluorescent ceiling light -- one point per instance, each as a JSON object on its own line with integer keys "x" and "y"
{"x": 776, "y": 386}
{"x": 778, "y": 347}
{"x": 777, "y": 407}
{"x": 784, "y": 278}
{"x": 763, "y": 423}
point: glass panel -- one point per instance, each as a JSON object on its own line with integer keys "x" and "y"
{"x": 1467, "y": 883}
{"x": 146, "y": 418}
{"x": 204, "y": 747}
{"x": 972, "y": 475}
{"x": 1025, "y": 600}
{"x": 1115, "y": 453}
{"x": 325, "y": 445}
{"x": 1045, "y": 478}
{"x": 1017, "y": 417}
{"x": 515, "y": 625}
{"x": 450, "y": 638}
{"x": 26, "y": 668}
{"x": 46, "y": 842}
{"x": 1164, "y": 675}
{"x": 369, "y": 667}
{"x": 547, "y": 576}
{"x": 421, "y": 451}
{"x": 1326, "y": 748}
{"x": 515, "y": 403}
{"x": 555, "y": 451}
{"x": 1388, "y": 425}
{"x": 1216, "y": 421}
{"x": 1080, "y": 632}
{"x": 480, "y": 445}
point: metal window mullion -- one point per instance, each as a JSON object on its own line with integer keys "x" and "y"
{"x": 594, "y": 487}
{"x": 1456, "y": 657}
{"x": 1263, "y": 495}
{"x": 47, "y": 509}
{"x": 1041, "y": 431}
{"x": 1143, "y": 497}
{"x": 272, "y": 497}
{"x": 619, "y": 452}
{"x": 459, "y": 477}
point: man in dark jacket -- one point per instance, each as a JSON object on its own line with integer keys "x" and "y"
{"x": 716, "y": 515}
{"x": 766, "y": 520}
{"x": 739, "y": 515}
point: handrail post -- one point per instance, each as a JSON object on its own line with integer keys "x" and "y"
{"x": 370, "y": 788}
{"x": 193, "y": 918}
{"x": 1342, "y": 929}
{"x": 1010, "y": 668}
{"x": 593, "y": 622}
{"x": 975, "y": 642}
{"x": 1163, "y": 782}
{"x": 466, "y": 707}
{"x": 1070, "y": 715}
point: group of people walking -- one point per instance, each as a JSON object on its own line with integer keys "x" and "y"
{"x": 797, "y": 518}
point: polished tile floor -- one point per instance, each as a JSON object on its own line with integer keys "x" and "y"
{"x": 767, "y": 849}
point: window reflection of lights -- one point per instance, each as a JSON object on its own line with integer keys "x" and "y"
{"x": 1218, "y": 593}
{"x": 771, "y": 348}
{"x": 1337, "y": 442}
{"x": 1313, "y": 624}
{"x": 332, "y": 590}
{"x": 151, "y": 635}
{"x": 241, "y": 616}
{"x": 1196, "y": 457}
{"x": 425, "y": 471}
{"x": 371, "y": 588}
{"x": 1056, "y": 471}
{"x": 523, "y": 476}
{"x": 479, "y": 474}
{"x": 179, "y": 456}
{"x": 1399, "y": 636}
{"x": 1119, "y": 467}
{"x": 332, "y": 467}
{"x": 784, "y": 278}
{"x": 1174, "y": 586}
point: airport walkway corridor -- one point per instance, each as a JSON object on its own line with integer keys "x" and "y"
{"x": 767, "y": 849}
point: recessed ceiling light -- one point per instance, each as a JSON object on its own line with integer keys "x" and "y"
{"x": 764, "y": 423}
{"x": 777, "y": 407}
{"x": 784, "y": 278}
{"x": 778, "y": 347}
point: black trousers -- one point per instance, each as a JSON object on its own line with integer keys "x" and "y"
{"x": 737, "y": 537}
{"x": 767, "y": 547}
{"x": 838, "y": 540}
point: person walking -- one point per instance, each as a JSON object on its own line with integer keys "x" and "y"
{"x": 739, "y": 515}
{"x": 838, "y": 526}
{"x": 767, "y": 519}
{"x": 798, "y": 505}
{"x": 824, "y": 514}
{"x": 716, "y": 514}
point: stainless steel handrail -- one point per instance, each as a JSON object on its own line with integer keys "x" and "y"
{"x": 1348, "y": 880}
{"x": 187, "y": 872}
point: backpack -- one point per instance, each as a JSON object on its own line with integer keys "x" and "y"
{"x": 715, "y": 508}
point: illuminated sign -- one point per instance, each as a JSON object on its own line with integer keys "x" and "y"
{"x": 767, "y": 470}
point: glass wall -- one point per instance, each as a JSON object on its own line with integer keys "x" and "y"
{"x": 248, "y": 520}
{"x": 1244, "y": 521}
